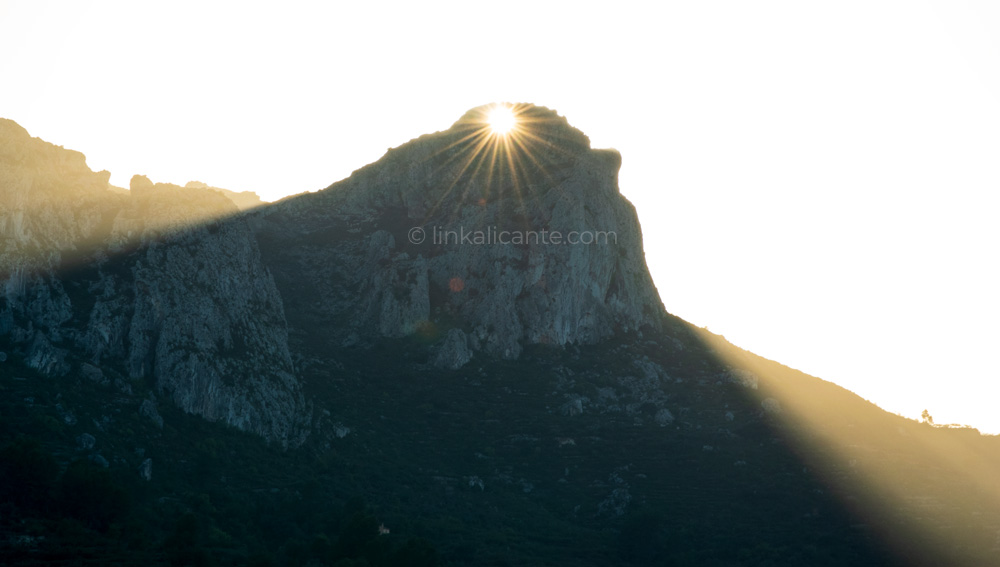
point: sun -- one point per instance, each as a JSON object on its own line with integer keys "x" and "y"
{"x": 501, "y": 120}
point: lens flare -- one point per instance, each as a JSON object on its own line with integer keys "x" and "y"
{"x": 501, "y": 120}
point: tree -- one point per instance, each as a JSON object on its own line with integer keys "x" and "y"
{"x": 356, "y": 536}
{"x": 183, "y": 546}
{"x": 926, "y": 417}
{"x": 87, "y": 493}
{"x": 27, "y": 475}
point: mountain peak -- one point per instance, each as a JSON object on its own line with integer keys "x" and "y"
{"x": 512, "y": 239}
{"x": 533, "y": 122}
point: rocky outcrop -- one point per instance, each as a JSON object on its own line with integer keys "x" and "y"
{"x": 164, "y": 285}
{"x": 244, "y": 200}
{"x": 472, "y": 242}
{"x": 53, "y": 209}
{"x": 148, "y": 410}
{"x": 514, "y": 241}
{"x": 206, "y": 320}
{"x": 54, "y": 213}
{"x": 454, "y": 351}
{"x": 146, "y": 469}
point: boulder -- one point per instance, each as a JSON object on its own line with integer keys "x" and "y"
{"x": 453, "y": 353}
{"x": 85, "y": 441}
{"x": 148, "y": 410}
{"x": 146, "y": 469}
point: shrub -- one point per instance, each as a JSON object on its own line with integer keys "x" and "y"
{"x": 87, "y": 493}
{"x": 27, "y": 476}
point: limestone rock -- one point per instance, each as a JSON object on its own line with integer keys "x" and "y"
{"x": 148, "y": 410}
{"x": 743, "y": 377}
{"x": 168, "y": 281}
{"x": 417, "y": 238}
{"x": 244, "y": 200}
{"x": 140, "y": 185}
{"x": 45, "y": 358}
{"x": 85, "y": 441}
{"x": 53, "y": 209}
{"x": 454, "y": 351}
{"x": 146, "y": 469}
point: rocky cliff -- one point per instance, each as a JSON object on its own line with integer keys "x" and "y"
{"x": 160, "y": 288}
{"x": 479, "y": 241}
{"x": 472, "y": 241}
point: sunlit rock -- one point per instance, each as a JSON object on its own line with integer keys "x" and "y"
{"x": 164, "y": 280}
{"x": 244, "y": 200}
{"x": 743, "y": 377}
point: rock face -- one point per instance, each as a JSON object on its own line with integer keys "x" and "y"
{"x": 513, "y": 240}
{"x": 53, "y": 208}
{"x": 163, "y": 285}
{"x": 471, "y": 241}
{"x": 454, "y": 351}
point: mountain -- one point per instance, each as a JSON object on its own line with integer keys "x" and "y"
{"x": 456, "y": 356}
{"x": 141, "y": 287}
{"x": 412, "y": 243}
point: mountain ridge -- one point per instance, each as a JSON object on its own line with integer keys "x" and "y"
{"x": 518, "y": 404}
{"x": 106, "y": 278}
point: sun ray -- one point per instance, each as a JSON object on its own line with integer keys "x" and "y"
{"x": 501, "y": 119}
{"x": 473, "y": 150}
{"x": 495, "y": 154}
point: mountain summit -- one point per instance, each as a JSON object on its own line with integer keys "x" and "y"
{"x": 493, "y": 241}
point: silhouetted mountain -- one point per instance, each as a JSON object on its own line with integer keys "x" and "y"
{"x": 411, "y": 368}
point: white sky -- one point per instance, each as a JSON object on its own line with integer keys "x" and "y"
{"x": 817, "y": 181}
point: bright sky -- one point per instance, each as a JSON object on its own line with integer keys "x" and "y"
{"x": 817, "y": 181}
